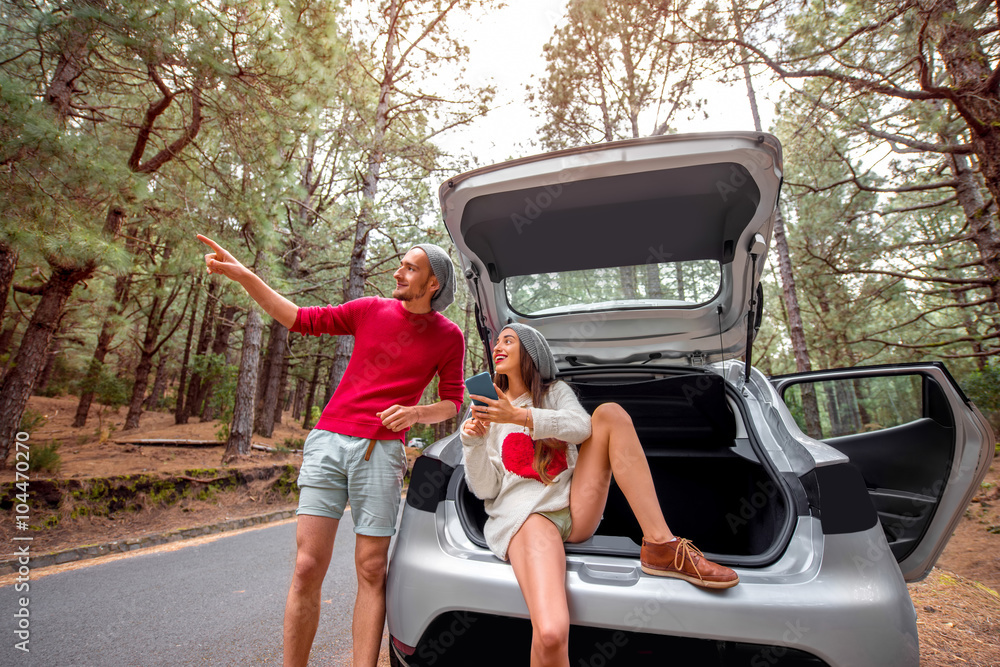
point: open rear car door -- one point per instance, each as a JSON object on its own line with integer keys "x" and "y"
{"x": 921, "y": 445}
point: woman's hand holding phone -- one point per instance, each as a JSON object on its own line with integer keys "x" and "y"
{"x": 474, "y": 427}
{"x": 500, "y": 411}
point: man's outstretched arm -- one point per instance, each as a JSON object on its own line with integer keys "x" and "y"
{"x": 273, "y": 303}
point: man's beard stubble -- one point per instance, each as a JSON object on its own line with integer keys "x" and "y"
{"x": 407, "y": 296}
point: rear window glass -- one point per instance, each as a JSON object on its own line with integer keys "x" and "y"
{"x": 652, "y": 285}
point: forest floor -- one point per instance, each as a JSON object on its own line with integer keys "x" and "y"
{"x": 958, "y": 607}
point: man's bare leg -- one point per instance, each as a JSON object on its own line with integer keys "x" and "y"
{"x": 371, "y": 555}
{"x": 314, "y": 536}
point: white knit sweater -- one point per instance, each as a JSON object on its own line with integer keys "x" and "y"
{"x": 497, "y": 465}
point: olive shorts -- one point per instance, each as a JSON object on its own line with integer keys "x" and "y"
{"x": 561, "y": 518}
{"x": 334, "y": 470}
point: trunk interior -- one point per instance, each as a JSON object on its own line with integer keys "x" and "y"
{"x": 710, "y": 483}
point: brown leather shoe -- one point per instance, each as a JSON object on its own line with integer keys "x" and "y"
{"x": 681, "y": 559}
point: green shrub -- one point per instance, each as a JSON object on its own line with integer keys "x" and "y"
{"x": 292, "y": 443}
{"x": 222, "y": 377}
{"x": 109, "y": 389}
{"x": 208, "y": 493}
{"x": 315, "y": 414}
{"x": 983, "y": 387}
{"x": 45, "y": 458}
{"x": 30, "y": 420}
{"x": 61, "y": 380}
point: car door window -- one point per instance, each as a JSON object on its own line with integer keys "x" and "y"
{"x": 841, "y": 407}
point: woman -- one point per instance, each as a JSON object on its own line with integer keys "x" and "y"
{"x": 539, "y": 491}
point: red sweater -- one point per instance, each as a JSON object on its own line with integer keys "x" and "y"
{"x": 396, "y": 355}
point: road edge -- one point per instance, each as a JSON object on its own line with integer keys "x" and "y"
{"x": 86, "y": 552}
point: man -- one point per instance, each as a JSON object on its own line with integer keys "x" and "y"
{"x": 356, "y": 450}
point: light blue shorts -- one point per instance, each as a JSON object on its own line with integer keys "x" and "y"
{"x": 334, "y": 470}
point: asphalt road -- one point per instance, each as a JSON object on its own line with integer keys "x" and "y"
{"x": 219, "y": 603}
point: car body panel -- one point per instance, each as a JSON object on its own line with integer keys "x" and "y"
{"x": 788, "y": 604}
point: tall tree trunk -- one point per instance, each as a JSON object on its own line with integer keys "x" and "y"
{"x": 796, "y": 331}
{"x": 630, "y": 289}
{"x": 149, "y": 348}
{"x": 72, "y": 57}
{"x": 141, "y": 373}
{"x": 224, "y": 327}
{"x": 18, "y": 382}
{"x": 122, "y": 287}
{"x": 654, "y": 289}
{"x": 196, "y": 389}
{"x": 264, "y": 423}
{"x": 300, "y": 396}
{"x": 263, "y": 369}
{"x": 311, "y": 394}
{"x": 8, "y": 262}
{"x": 354, "y": 284}
{"x": 159, "y": 385}
{"x": 982, "y": 229}
{"x": 181, "y": 409}
{"x": 241, "y": 428}
{"x": 45, "y": 376}
{"x": 977, "y": 101}
{"x": 282, "y": 403}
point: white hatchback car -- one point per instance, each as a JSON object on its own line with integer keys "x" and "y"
{"x": 640, "y": 262}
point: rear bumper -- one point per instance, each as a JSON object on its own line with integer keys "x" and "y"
{"x": 840, "y": 598}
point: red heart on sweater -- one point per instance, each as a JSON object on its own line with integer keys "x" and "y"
{"x": 518, "y": 452}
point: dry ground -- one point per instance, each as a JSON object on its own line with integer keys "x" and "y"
{"x": 958, "y": 608}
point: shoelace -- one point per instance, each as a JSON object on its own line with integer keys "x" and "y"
{"x": 683, "y": 552}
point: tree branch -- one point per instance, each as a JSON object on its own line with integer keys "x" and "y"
{"x": 152, "y": 113}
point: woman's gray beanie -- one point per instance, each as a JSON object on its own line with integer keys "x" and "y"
{"x": 537, "y": 348}
{"x": 444, "y": 271}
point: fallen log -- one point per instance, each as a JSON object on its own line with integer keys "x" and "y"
{"x": 167, "y": 442}
{"x": 265, "y": 448}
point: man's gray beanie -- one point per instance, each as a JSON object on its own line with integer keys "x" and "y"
{"x": 444, "y": 271}
{"x": 537, "y": 348}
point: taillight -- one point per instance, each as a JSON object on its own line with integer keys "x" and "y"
{"x": 403, "y": 648}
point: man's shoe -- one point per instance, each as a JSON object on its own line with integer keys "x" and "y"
{"x": 681, "y": 559}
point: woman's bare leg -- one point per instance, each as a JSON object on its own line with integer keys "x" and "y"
{"x": 614, "y": 448}
{"x": 536, "y": 552}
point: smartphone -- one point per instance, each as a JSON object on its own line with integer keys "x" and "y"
{"x": 481, "y": 385}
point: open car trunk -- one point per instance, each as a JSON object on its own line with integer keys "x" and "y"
{"x": 712, "y": 486}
